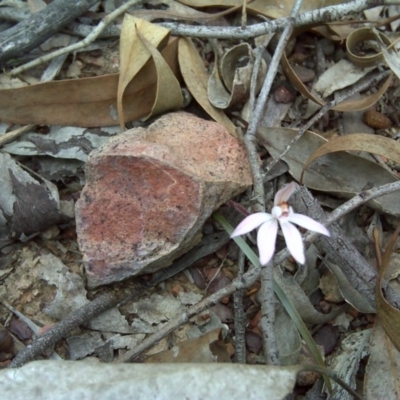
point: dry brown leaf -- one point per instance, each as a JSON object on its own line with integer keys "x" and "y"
{"x": 381, "y": 145}
{"x": 331, "y": 172}
{"x": 346, "y": 106}
{"x": 196, "y": 79}
{"x": 235, "y": 79}
{"x": 134, "y": 53}
{"x": 85, "y": 102}
{"x": 177, "y": 11}
{"x": 168, "y": 93}
{"x": 356, "y": 38}
{"x": 269, "y": 9}
{"x": 388, "y": 315}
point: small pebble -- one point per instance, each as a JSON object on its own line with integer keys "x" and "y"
{"x": 283, "y": 94}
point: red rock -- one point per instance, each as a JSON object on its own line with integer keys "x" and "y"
{"x": 149, "y": 192}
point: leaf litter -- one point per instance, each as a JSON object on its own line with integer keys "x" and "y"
{"x": 43, "y": 174}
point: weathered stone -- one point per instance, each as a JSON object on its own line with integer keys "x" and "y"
{"x": 149, "y": 192}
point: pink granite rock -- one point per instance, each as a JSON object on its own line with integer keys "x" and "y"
{"x": 149, "y": 192}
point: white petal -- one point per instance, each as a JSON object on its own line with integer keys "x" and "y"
{"x": 284, "y": 194}
{"x": 251, "y": 222}
{"x": 266, "y": 238}
{"x": 293, "y": 241}
{"x": 308, "y": 223}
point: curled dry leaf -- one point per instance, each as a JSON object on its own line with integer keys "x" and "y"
{"x": 196, "y": 79}
{"x": 356, "y": 38}
{"x": 138, "y": 43}
{"x": 383, "y": 146}
{"x": 236, "y": 70}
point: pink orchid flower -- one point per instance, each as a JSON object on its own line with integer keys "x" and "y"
{"x": 268, "y": 223}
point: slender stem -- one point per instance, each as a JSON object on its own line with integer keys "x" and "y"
{"x": 240, "y": 316}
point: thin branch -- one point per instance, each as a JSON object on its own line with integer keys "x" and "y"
{"x": 267, "y": 291}
{"x": 83, "y": 43}
{"x": 255, "y": 117}
{"x": 240, "y": 317}
{"x": 64, "y": 327}
{"x": 326, "y": 14}
{"x": 30, "y": 33}
{"x": 267, "y": 322}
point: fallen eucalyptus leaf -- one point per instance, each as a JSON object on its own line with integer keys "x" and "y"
{"x": 196, "y": 79}
{"x": 346, "y": 106}
{"x": 301, "y": 302}
{"x": 351, "y": 295}
{"x": 381, "y": 145}
{"x": 236, "y": 71}
{"x": 85, "y": 102}
{"x": 287, "y": 338}
{"x": 339, "y": 76}
{"x": 331, "y": 172}
{"x": 138, "y": 43}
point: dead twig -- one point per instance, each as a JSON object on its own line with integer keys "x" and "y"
{"x": 83, "y": 43}
{"x": 33, "y": 31}
{"x": 325, "y": 14}
{"x": 64, "y": 327}
{"x": 240, "y": 317}
{"x": 267, "y": 291}
{"x": 10, "y": 136}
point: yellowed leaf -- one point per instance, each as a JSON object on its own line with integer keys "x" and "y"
{"x": 134, "y": 54}
{"x": 383, "y": 146}
{"x": 196, "y": 79}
